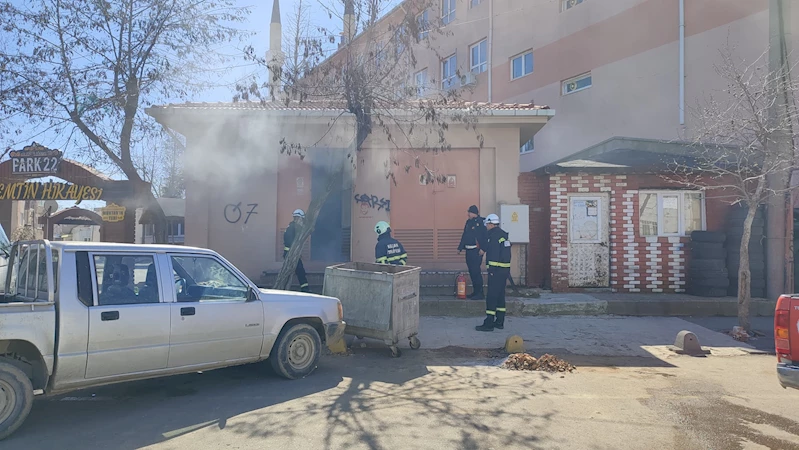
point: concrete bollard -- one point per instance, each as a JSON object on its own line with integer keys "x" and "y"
{"x": 687, "y": 343}
{"x": 514, "y": 344}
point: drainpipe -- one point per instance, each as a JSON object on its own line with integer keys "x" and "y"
{"x": 682, "y": 62}
{"x": 490, "y": 45}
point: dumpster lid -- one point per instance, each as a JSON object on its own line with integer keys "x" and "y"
{"x": 372, "y": 267}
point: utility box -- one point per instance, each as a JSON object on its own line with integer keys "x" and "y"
{"x": 515, "y": 220}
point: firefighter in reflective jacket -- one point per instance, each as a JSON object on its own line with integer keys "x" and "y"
{"x": 288, "y": 239}
{"x": 388, "y": 250}
{"x": 498, "y": 262}
{"x": 473, "y": 241}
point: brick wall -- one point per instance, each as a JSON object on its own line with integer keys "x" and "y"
{"x": 534, "y": 192}
{"x": 637, "y": 263}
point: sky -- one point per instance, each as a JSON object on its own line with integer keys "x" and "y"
{"x": 237, "y": 71}
{"x": 260, "y": 18}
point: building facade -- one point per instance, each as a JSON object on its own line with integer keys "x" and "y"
{"x": 611, "y": 68}
{"x": 624, "y": 75}
{"x": 243, "y": 185}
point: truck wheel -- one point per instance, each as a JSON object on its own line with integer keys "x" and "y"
{"x": 16, "y": 398}
{"x": 296, "y": 352}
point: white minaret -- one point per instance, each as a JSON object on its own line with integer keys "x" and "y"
{"x": 274, "y": 56}
{"x": 349, "y": 22}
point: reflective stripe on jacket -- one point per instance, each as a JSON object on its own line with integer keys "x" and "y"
{"x": 497, "y": 249}
{"x": 389, "y": 251}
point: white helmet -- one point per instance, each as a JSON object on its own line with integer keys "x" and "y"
{"x": 381, "y": 227}
{"x": 492, "y": 218}
{"x": 298, "y": 213}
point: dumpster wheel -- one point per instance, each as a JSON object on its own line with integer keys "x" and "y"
{"x": 415, "y": 343}
{"x": 395, "y": 351}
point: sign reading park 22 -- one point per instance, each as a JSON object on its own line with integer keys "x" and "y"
{"x": 35, "y": 159}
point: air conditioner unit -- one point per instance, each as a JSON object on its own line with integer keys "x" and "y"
{"x": 468, "y": 79}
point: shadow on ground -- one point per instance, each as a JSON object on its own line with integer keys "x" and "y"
{"x": 347, "y": 402}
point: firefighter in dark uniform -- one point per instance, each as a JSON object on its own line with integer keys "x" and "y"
{"x": 288, "y": 239}
{"x": 498, "y": 261}
{"x": 388, "y": 250}
{"x": 473, "y": 241}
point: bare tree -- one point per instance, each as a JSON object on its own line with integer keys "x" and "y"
{"x": 298, "y": 31}
{"x": 85, "y": 68}
{"x": 159, "y": 160}
{"x": 737, "y": 147}
{"x": 368, "y": 82}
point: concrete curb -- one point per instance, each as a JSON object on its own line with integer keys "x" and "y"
{"x": 594, "y": 307}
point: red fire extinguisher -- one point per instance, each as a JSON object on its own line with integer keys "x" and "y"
{"x": 460, "y": 282}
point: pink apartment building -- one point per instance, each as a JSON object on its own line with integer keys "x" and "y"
{"x": 623, "y": 76}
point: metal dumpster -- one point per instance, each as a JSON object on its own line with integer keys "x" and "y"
{"x": 380, "y": 301}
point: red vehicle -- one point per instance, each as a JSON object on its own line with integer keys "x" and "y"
{"x": 786, "y": 340}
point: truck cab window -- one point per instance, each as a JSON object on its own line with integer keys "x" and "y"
{"x": 203, "y": 279}
{"x": 84, "y": 271}
{"x": 28, "y": 273}
{"x": 126, "y": 279}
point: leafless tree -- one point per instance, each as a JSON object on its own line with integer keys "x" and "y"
{"x": 85, "y": 68}
{"x": 368, "y": 81}
{"x": 737, "y": 146}
{"x": 159, "y": 160}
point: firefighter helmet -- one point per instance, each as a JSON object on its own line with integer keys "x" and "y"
{"x": 299, "y": 213}
{"x": 381, "y": 227}
{"x": 493, "y": 219}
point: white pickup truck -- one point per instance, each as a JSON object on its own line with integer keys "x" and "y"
{"x": 81, "y": 314}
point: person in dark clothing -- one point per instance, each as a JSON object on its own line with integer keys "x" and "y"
{"x": 473, "y": 241}
{"x": 288, "y": 239}
{"x": 388, "y": 250}
{"x": 498, "y": 261}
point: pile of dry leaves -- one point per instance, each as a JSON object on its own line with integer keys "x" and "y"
{"x": 546, "y": 363}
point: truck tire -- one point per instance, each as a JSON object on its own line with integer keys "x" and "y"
{"x": 716, "y": 282}
{"x": 740, "y": 212}
{"x": 739, "y": 222}
{"x": 708, "y": 236}
{"x": 707, "y": 250}
{"x": 16, "y": 398}
{"x": 700, "y": 265}
{"x": 738, "y": 231}
{"x": 296, "y": 352}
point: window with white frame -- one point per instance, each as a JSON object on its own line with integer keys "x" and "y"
{"x": 449, "y": 67}
{"x": 577, "y": 83}
{"x": 670, "y": 213}
{"x": 479, "y": 57}
{"x": 420, "y": 82}
{"x": 521, "y": 65}
{"x": 447, "y": 11}
{"x": 528, "y": 146}
{"x": 423, "y": 23}
{"x": 473, "y": 3}
{"x": 569, "y": 4}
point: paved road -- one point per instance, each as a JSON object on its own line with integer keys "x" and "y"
{"x": 448, "y": 398}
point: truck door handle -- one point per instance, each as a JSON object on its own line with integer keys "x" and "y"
{"x": 189, "y": 311}
{"x": 109, "y": 315}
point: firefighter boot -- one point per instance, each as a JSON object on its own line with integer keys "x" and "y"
{"x": 477, "y": 295}
{"x": 499, "y": 323}
{"x": 488, "y": 324}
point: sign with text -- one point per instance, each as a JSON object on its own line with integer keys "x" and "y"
{"x": 35, "y": 159}
{"x": 50, "y": 190}
{"x": 113, "y": 213}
